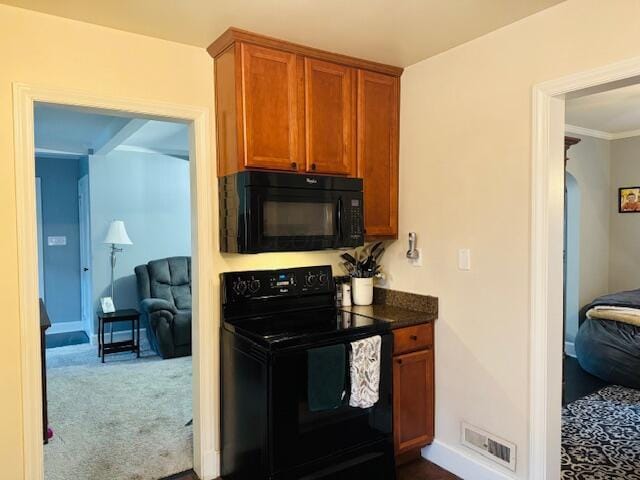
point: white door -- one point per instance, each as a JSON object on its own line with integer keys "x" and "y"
{"x": 40, "y": 239}
{"x": 84, "y": 221}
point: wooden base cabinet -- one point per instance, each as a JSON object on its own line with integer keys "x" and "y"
{"x": 413, "y": 388}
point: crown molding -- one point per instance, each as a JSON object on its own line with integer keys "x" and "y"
{"x": 589, "y": 132}
{"x": 627, "y": 134}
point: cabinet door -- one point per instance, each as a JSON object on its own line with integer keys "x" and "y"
{"x": 330, "y": 117}
{"x": 378, "y": 108}
{"x": 413, "y": 400}
{"x": 271, "y": 108}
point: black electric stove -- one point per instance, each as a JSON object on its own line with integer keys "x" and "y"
{"x": 271, "y": 319}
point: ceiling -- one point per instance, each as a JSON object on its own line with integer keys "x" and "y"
{"x": 63, "y": 130}
{"x": 614, "y": 113}
{"x": 396, "y": 32}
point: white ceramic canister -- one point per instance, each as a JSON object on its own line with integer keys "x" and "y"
{"x": 362, "y": 291}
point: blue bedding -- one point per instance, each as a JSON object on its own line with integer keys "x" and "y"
{"x": 608, "y": 349}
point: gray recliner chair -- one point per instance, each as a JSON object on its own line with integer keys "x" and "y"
{"x": 164, "y": 290}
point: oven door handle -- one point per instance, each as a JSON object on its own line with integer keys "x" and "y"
{"x": 339, "y": 217}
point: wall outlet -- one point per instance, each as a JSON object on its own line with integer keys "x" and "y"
{"x": 464, "y": 259}
{"x": 418, "y": 261}
{"x": 56, "y": 241}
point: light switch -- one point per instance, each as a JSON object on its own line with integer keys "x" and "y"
{"x": 56, "y": 241}
{"x": 464, "y": 259}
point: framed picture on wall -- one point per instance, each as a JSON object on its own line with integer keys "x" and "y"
{"x": 629, "y": 200}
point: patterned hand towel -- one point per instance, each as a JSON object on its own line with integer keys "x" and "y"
{"x": 365, "y": 372}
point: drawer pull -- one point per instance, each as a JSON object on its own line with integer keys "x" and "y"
{"x": 399, "y": 360}
{"x": 414, "y": 337}
{"x": 294, "y": 165}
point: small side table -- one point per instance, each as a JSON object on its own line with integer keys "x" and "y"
{"x": 129, "y": 315}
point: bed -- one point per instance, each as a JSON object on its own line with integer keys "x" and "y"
{"x": 608, "y": 341}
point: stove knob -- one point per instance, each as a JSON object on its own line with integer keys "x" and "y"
{"x": 322, "y": 278}
{"x": 241, "y": 287}
{"x": 311, "y": 279}
{"x": 254, "y": 286}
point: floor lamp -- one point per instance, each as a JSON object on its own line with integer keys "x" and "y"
{"x": 116, "y": 235}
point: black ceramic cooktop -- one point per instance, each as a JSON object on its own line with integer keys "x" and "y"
{"x": 300, "y": 327}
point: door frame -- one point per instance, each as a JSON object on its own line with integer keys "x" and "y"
{"x": 84, "y": 227}
{"x": 546, "y": 280}
{"x": 40, "y": 234}
{"x": 205, "y": 385}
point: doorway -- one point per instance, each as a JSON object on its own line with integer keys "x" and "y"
{"x": 134, "y": 418}
{"x": 204, "y": 334}
{"x": 547, "y": 227}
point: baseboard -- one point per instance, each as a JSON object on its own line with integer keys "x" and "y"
{"x": 210, "y": 469}
{"x": 118, "y": 336}
{"x": 570, "y": 349}
{"x": 65, "y": 327}
{"x": 463, "y": 463}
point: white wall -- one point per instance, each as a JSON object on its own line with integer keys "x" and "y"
{"x": 572, "y": 259}
{"x": 150, "y": 193}
{"x": 590, "y": 164}
{"x": 624, "y": 271}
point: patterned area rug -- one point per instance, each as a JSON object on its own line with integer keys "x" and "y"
{"x": 601, "y": 436}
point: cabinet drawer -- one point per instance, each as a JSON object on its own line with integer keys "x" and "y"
{"x": 410, "y": 339}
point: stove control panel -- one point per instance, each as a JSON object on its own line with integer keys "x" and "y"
{"x": 246, "y": 286}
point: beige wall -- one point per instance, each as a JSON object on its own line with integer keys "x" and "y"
{"x": 53, "y": 52}
{"x": 625, "y": 228}
{"x": 464, "y": 182}
{"x": 590, "y": 164}
{"x": 465, "y": 163}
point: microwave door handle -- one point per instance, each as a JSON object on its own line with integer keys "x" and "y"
{"x": 339, "y": 215}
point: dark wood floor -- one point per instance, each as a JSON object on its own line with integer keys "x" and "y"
{"x": 423, "y": 470}
{"x": 578, "y": 383}
{"x": 416, "y": 470}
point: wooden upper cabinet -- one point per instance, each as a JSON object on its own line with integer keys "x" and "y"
{"x": 284, "y": 106}
{"x": 330, "y": 117}
{"x": 271, "y": 108}
{"x": 413, "y": 400}
{"x": 377, "y": 147}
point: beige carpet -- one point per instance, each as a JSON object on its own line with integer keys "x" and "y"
{"x": 122, "y": 420}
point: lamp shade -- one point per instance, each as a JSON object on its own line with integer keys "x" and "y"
{"x": 117, "y": 234}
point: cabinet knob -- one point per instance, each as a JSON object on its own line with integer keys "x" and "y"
{"x": 414, "y": 337}
{"x": 294, "y": 165}
{"x": 399, "y": 361}
{"x": 313, "y": 166}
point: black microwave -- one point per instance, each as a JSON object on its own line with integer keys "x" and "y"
{"x": 284, "y": 212}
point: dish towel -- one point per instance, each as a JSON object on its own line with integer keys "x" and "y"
{"x": 326, "y": 375}
{"x": 365, "y": 372}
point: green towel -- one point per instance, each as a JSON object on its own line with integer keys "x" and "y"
{"x": 326, "y": 368}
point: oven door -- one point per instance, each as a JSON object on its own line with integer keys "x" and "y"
{"x": 294, "y": 219}
{"x": 299, "y": 436}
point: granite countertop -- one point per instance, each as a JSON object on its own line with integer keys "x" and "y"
{"x": 398, "y": 317}
{"x": 400, "y": 309}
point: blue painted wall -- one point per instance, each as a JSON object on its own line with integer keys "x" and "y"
{"x": 151, "y": 194}
{"x": 59, "y": 188}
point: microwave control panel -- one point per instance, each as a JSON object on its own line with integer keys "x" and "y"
{"x": 356, "y": 218}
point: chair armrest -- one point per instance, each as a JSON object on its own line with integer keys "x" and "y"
{"x": 150, "y": 305}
